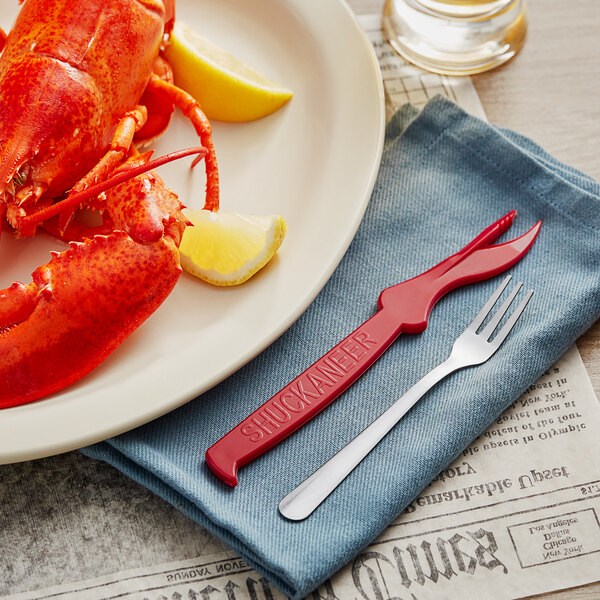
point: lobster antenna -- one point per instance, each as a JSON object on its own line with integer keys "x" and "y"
{"x": 74, "y": 200}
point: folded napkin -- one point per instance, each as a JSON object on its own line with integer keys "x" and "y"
{"x": 444, "y": 177}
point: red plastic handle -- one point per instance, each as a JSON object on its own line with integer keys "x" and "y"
{"x": 304, "y": 397}
{"x": 402, "y": 307}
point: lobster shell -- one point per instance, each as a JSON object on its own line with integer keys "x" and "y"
{"x": 73, "y": 79}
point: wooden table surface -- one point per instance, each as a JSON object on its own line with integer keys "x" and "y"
{"x": 549, "y": 92}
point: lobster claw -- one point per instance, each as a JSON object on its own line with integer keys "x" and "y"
{"x": 87, "y": 300}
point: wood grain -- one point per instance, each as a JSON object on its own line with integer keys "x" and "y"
{"x": 549, "y": 92}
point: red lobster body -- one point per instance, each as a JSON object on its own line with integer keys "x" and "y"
{"x": 69, "y": 72}
{"x": 74, "y": 81}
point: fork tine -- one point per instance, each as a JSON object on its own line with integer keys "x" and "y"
{"x": 483, "y": 313}
{"x": 491, "y": 326}
{"x": 506, "y": 328}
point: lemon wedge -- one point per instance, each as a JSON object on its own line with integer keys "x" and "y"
{"x": 226, "y": 88}
{"x": 226, "y": 248}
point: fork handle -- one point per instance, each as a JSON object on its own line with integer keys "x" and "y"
{"x": 305, "y": 498}
{"x": 304, "y": 397}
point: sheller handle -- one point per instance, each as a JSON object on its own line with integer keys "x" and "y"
{"x": 304, "y": 397}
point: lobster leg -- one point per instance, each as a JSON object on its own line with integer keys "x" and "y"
{"x": 192, "y": 110}
{"x": 160, "y": 110}
{"x": 131, "y": 122}
{"x": 27, "y": 196}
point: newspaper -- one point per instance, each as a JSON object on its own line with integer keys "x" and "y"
{"x": 515, "y": 515}
{"x": 404, "y": 82}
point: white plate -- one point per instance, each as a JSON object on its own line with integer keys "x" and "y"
{"x": 315, "y": 161}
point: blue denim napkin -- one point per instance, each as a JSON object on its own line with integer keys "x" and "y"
{"x": 443, "y": 178}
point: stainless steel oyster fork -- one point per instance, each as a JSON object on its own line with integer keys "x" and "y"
{"x": 472, "y": 347}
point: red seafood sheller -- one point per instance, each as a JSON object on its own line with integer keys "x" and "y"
{"x": 80, "y": 83}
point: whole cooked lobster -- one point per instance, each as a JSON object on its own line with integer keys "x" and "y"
{"x": 80, "y": 82}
